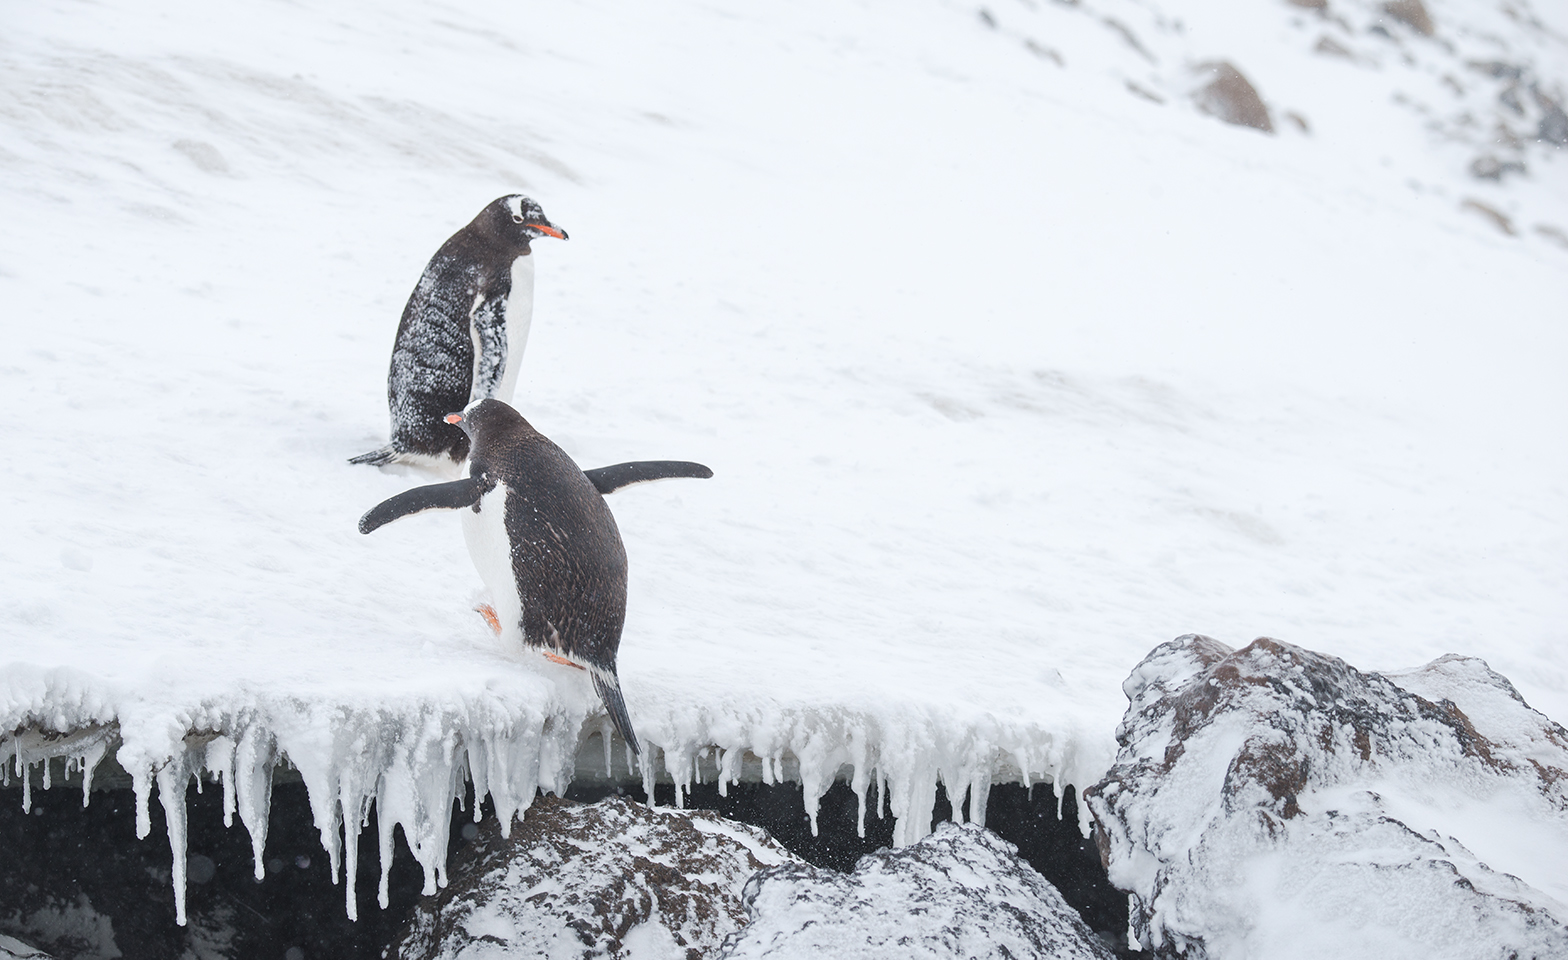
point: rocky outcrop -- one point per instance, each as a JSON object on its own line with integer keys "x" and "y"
{"x": 1230, "y": 96}
{"x": 962, "y": 892}
{"x": 610, "y": 879}
{"x": 1413, "y": 14}
{"x": 1274, "y": 802}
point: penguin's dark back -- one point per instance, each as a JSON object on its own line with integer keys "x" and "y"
{"x": 567, "y": 553}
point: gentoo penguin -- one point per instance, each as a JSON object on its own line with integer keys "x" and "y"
{"x": 543, "y": 539}
{"x": 463, "y": 332}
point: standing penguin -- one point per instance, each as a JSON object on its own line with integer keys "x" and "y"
{"x": 544, "y": 541}
{"x": 463, "y": 332}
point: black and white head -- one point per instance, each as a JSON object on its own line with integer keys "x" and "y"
{"x": 485, "y": 418}
{"x": 515, "y": 221}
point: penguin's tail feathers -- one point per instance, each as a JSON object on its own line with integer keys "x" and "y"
{"x": 608, "y": 686}
{"x": 377, "y": 458}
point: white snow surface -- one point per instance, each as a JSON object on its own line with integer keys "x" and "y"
{"x": 1006, "y": 374}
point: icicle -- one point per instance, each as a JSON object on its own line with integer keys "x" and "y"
{"x": 647, "y": 772}
{"x": 859, "y": 778}
{"x": 817, "y": 768}
{"x": 172, "y": 778}
{"x": 979, "y": 794}
{"x": 478, "y": 765}
{"x": 609, "y": 757}
{"x": 352, "y": 810}
{"x": 141, "y": 785}
{"x": 913, "y": 804}
{"x": 27, "y": 783}
{"x": 48, "y": 775}
{"x": 253, "y": 762}
{"x": 384, "y": 830}
{"x": 325, "y": 814}
{"x": 89, "y": 764}
{"x": 679, "y": 766}
{"x": 219, "y": 760}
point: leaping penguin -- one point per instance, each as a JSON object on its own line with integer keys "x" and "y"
{"x": 462, "y": 334}
{"x": 544, "y": 541}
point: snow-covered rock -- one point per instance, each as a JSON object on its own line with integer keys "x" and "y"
{"x": 611, "y": 879}
{"x": 962, "y": 892}
{"x": 71, "y": 926}
{"x": 1275, "y": 802}
{"x": 14, "y": 949}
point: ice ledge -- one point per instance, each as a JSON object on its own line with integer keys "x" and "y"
{"x": 413, "y": 756}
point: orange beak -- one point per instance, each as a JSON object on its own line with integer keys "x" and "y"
{"x": 454, "y": 418}
{"x": 548, "y": 230}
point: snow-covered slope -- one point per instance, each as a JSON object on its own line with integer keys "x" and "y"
{"x": 1007, "y": 373}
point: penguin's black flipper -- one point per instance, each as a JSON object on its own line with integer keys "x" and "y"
{"x": 614, "y": 477}
{"x": 436, "y": 496}
{"x": 608, "y": 686}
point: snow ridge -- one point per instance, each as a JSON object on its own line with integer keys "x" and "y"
{"x": 413, "y": 760}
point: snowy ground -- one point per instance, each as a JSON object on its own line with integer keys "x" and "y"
{"x": 1007, "y": 374}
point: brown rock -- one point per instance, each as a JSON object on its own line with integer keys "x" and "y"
{"x": 1411, "y": 13}
{"x": 1231, "y": 97}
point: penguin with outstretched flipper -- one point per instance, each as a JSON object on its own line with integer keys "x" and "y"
{"x": 544, "y": 541}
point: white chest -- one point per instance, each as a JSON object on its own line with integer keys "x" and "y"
{"x": 491, "y": 550}
{"x": 519, "y": 317}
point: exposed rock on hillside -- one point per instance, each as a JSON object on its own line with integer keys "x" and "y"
{"x": 961, "y": 892}
{"x": 1482, "y": 84}
{"x": 1231, "y": 97}
{"x": 1413, "y": 14}
{"x": 1276, "y": 802}
{"x": 609, "y": 879}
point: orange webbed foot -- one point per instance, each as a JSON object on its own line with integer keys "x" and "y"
{"x": 554, "y": 658}
{"x": 488, "y": 612}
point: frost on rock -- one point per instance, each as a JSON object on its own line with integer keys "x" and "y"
{"x": 610, "y": 879}
{"x": 962, "y": 892}
{"x": 13, "y": 949}
{"x": 1275, "y": 802}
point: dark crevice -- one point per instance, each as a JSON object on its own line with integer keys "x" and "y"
{"x": 72, "y": 862}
